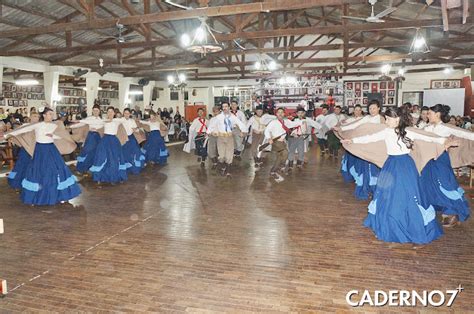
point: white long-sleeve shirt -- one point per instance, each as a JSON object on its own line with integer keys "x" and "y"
{"x": 333, "y": 119}
{"x": 94, "y": 123}
{"x": 199, "y": 125}
{"x": 441, "y": 129}
{"x": 422, "y": 125}
{"x": 321, "y": 132}
{"x": 128, "y": 124}
{"x": 275, "y": 128}
{"x": 154, "y": 125}
{"x": 224, "y": 124}
{"x": 41, "y": 130}
{"x": 306, "y": 125}
{"x": 367, "y": 119}
{"x": 240, "y": 115}
{"x": 258, "y": 124}
{"x": 212, "y": 125}
{"x": 395, "y": 146}
{"x": 111, "y": 126}
{"x": 351, "y": 119}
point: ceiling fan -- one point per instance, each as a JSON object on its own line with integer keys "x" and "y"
{"x": 120, "y": 38}
{"x": 373, "y": 18}
{"x": 101, "y": 69}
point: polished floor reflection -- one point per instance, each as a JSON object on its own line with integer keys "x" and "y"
{"x": 180, "y": 238}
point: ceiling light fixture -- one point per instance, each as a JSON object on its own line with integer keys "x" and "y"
{"x": 203, "y": 41}
{"x": 177, "y": 81}
{"x": 419, "y": 44}
{"x": 264, "y": 67}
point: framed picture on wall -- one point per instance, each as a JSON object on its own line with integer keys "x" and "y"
{"x": 357, "y": 86}
{"x": 383, "y": 85}
{"x": 415, "y": 98}
{"x": 391, "y": 85}
{"x": 391, "y": 93}
{"x": 365, "y": 86}
{"x": 349, "y": 86}
{"x": 390, "y": 100}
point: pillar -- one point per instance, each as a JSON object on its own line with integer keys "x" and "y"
{"x": 92, "y": 89}
{"x": 124, "y": 99}
{"x": 51, "y": 88}
{"x": 1, "y": 78}
{"x": 147, "y": 93}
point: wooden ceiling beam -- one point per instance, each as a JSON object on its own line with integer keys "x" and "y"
{"x": 255, "y": 7}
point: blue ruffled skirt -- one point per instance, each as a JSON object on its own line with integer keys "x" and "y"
{"x": 365, "y": 175}
{"x": 397, "y": 212}
{"x": 18, "y": 173}
{"x": 109, "y": 163}
{"x": 48, "y": 180}
{"x": 133, "y": 155}
{"x": 86, "y": 157}
{"x": 347, "y": 163}
{"x": 155, "y": 148}
{"x": 440, "y": 186}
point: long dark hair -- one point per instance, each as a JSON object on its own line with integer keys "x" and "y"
{"x": 424, "y": 108}
{"x": 443, "y": 110}
{"x": 405, "y": 121}
{"x": 42, "y": 113}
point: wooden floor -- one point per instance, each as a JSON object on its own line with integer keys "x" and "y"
{"x": 179, "y": 238}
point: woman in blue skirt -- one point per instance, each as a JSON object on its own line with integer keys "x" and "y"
{"x": 131, "y": 150}
{"x": 348, "y": 159}
{"x": 18, "y": 172}
{"x": 47, "y": 180}
{"x": 397, "y": 212}
{"x": 363, "y": 172}
{"x": 155, "y": 149}
{"x": 109, "y": 164}
{"x": 87, "y": 154}
{"x": 437, "y": 178}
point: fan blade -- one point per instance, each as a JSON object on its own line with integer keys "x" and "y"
{"x": 130, "y": 37}
{"x": 386, "y": 12}
{"x": 354, "y": 18}
{"x": 178, "y": 5}
{"x": 107, "y": 37}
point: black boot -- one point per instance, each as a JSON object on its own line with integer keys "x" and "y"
{"x": 290, "y": 165}
{"x": 299, "y": 164}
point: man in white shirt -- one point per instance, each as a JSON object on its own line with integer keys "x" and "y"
{"x": 212, "y": 139}
{"x": 321, "y": 133}
{"x": 223, "y": 129}
{"x": 257, "y": 123}
{"x": 331, "y": 121}
{"x": 276, "y": 133}
{"x": 236, "y": 132}
{"x": 296, "y": 141}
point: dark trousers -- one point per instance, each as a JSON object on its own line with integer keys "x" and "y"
{"x": 323, "y": 144}
{"x": 201, "y": 149}
{"x": 333, "y": 143}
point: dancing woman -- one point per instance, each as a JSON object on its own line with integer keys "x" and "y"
{"x": 109, "y": 163}
{"x": 47, "y": 179}
{"x": 437, "y": 178}
{"x": 348, "y": 159}
{"x": 131, "y": 149}
{"x": 15, "y": 177}
{"x": 155, "y": 148}
{"x": 364, "y": 173}
{"x": 87, "y": 154}
{"x": 397, "y": 212}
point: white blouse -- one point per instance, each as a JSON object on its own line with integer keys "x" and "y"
{"x": 154, "y": 126}
{"x": 111, "y": 127}
{"x": 41, "y": 130}
{"x": 94, "y": 123}
{"x": 367, "y": 119}
{"x": 395, "y": 146}
{"x": 240, "y": 115}
{"x": 128, "y": 124}
{"x": 441, "y": 129}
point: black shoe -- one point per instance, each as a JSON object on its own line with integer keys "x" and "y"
{"x": 203, "y": 164}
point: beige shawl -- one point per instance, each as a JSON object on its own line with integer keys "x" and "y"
{"x": 376, "y": 152}
{"x": 65, "y": 143}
